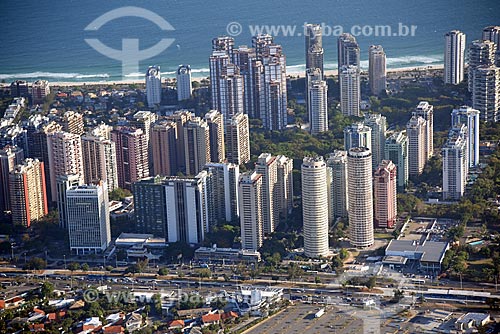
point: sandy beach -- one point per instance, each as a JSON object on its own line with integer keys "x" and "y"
{"x": 289, "y": 75}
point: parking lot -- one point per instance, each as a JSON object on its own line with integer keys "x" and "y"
{"x": 300, "y": 319}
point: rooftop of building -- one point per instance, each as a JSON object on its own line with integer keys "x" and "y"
{"x": 430, "y": 251}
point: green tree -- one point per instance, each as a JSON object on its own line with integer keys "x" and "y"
{"x": 36, "y": 263}
{"x": 119, "y": 194}
{"x": 46, "y": 289}
{"x": 85, "y": 267}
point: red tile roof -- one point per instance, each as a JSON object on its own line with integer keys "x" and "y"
{"x": 210, "y": 318}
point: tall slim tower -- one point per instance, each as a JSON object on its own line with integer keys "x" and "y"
{"x": 88, "y": 218}
{"x": 28, "y": 199}
{"x": 470, "y": 118}
{"x": 218, "y": 62}
{"x": 486, "y": 92}
{"x": 238, "y": 139}
{"x": 360, "y": 196}
{"x": 184, "y": 85}
{"x": 65, "y": 157}
{"x": 454, "y": 57}
{"x": 357, "y": 135}
{"x": 455, "y": 164}
{"x": 153, "y": 86}
{"x": 266, "y": 165}
{"x": 250, "y": 208}
{"x": 215, "y": 122}
{"x": 315, "y": 207}
{"x": 426, "y": 111}
{"x": 231, "y": 90}
{"x": 180, "y": 117}
{"x": 481, "y": 53}
{"x": 318, "y": 106}
{"x": 337, "y": 184}
{"x": 9, "y": 158}
{"x": 224, "y": 44}
{"x": 132, "y": 155}
{"x": 72, "y": 122}
{"x": 396, "y": 150}
{"x": 492, "y": 33}
{"x": 377, "y": 69}
{"x": 99, "y": 161}
{"x": 386, "y": 206}
{"x": 417, "y": 157}
{"x": 350, "y": 91}
{"x": 164, "y": 148}
{"x": 196, "y": 145}
{"x": 63, "y": 183}
{"x": 284, "y": 185}
{"x": 378, "y": 124}
{"x": 348, "y": 51}
{"x": 314, "y": 47}
{"x": 224, "y": 186}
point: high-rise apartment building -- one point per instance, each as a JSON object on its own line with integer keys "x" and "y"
{"x": 215, "y": 121}
{"x": 238, "y": 139}
{"x": 377, "y": 69}
{"x": 153, "y": 86}
{"x": 396, "y": 150}
{"x": 486, "y": 92}
{"x": 317, "y": 103}
{"x": 40, "y": 89}
{"x": 314, "y": 47}
{"x": 65, "y": 157}
{"x": 99, "y": 161}
{"x": 224, "y": 190}
{"x": 88, "y": 218}
{"x": 348, "y": 51}
{"x": 426, "y": 111}
{"x": 315, "y": 207}
{"x": 131, "y": 155}
{"x": 218, "y": 62}
{"x": 184, "y": 85}
{"x": 250, "y": 208}
{"x": 337, "y": 184}
{"x": 454, "y": 57}
{"x": 357, "y": 135}
{"x": 196, "y": 145}
{"x": 378, "y": 124}
{"x": 492, "y": 33}
{"x": 470, "y": 118}
{"x": 28, "y": 199}
{"x": 266, "y": 165}
{"x": 63, "y": 183}
{"x": 180, "y": 117}
{"x": 231, "y": 90}
{"x": 481, "y": 53}
{"x": 455, "y": 164}
{"x": 284, "y": 185}
{"x": 417, "y": 157}
{"x": 360, "y": 196}
{"x": 174, "y": 208}
{"x": 163, "y": 142}
{"x": 350, "y": 91}
{"x": 72, "y": 122}
{"x": 385, "y": 194}
{"x": 9, "y": 158}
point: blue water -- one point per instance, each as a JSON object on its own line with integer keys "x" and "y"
{"x": 45, "y": 39}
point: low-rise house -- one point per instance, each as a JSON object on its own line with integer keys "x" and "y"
{"x": 113, "y": 330}
{"x": 210, "y": 319}
{"x": 36, "y": 328}
{"x": 134, "y": 322}
{"x": 176, "y": 324}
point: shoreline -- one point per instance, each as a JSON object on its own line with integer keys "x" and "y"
{"x": 291, "y": 75}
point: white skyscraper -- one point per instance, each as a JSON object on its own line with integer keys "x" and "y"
{"x": 65, "y": 182}
{"x": 318, "y": 106}
{"x": 455, "y": 164}
{"x": 357, "y": 135}
{"x": 350, "y": 91}
{"x": 237, "y": 138}
{"x": 378, "y": 124}
{"x": 88, "y": 218}
{"x": 337, "y": 184}
{"x": 377, "y": 69}
{"x": 153, "y": 86}
{"x": 454, "y": 58}
{"x": 266, "y": 165}
{"x": 99, "y": 161}
{"x": 250, "y": 202}
{"x": 231, "y": 90}
{"x": 360, "y": 196}
{"x": 284, "y": 185}
{"x": 65, "y": 157}
{"x": 417, "y": 157}
{"x": 184, "y": 86}
{"x": 470, "y": 118}
{"x": 486, "y": 92}
{"x": 481, "y": 53}
{"x": 224, "y": 189}
{"x": 315, "y": 207}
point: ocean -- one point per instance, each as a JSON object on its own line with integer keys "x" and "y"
{"x": 46, "y": 39}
